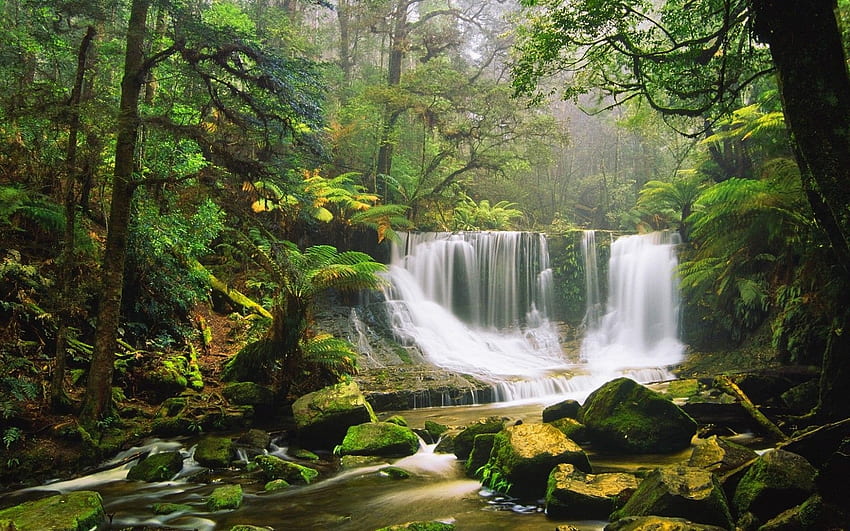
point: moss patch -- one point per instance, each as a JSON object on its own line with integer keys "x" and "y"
{"x": 274, "y": 467}
{"x": 157, "y": 467}
{"x": 227, "y": 497}
{"x": 74, "y": 511}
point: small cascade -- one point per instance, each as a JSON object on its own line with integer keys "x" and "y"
{"x": 638, "y": 333}
{"x": 476, "y": 303}
{"x": 595, "y": 308}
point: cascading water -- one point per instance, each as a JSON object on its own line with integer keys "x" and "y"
{"x": 638, "y": 333}
{"x": 478, "y": 303}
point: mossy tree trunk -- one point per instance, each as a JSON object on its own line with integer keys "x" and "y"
{"x": 805, "y": 42}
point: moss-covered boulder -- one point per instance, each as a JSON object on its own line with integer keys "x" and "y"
{"x": 482, "y": 445}
{"x": 566, "y": 409}
{"x": 624, "y": 416}
{"x": 274, "y": 467}
{"x": 570, "y": 493}
{"x": 255, "y": 441}
{"x": 685, "y": 492}
{"x": 75, "y": 511}
{"x": 719, "y": 455}
{"x": 419, "y": 526}
{"x": 435, "y": 429}
{"x": 228, "y": 497}
{"x": 572, "y": 428}
{"x": 322, "y": 418}
{"x": 276, "y": 484}
{"x": 802, "y": 398}
{"x": 462, "y": 443}
{"x": 659, "y": 523}
{"x": 215, "y": 452}
{"x": 446, "y": 442}
{"x": 525, "y": 454}
{"x": 777, "y": 480}
{"x": 157, "y": 467}
{"x": 249, "y": 394}
{"x": 397, "y": 419}
{"x": 379, "y": 438}
{"x": 814, "y": 513}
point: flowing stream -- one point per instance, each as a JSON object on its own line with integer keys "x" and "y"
{"x": 476, "y": 303}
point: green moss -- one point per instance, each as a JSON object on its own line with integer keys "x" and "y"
{"x": 74, "y": 511}
{"x": 683, "y": 388}
{"x": 276, "y": 468}
{"x": 214, "y": 452}
{"x": 168, "y": 508}
{"x": 398, "y": 420}
{"x": 226, "y": 497}
{"x": 482, "y": 446}
{"x": 463, "y": 441}
{"x": 435, "y": 428}
{"x": 157, "y": 467}
{"x": 306, "y": 455}
{"x": 572, "y": 428}
{"x": 276, "y": 484}
{"x": 419, "y": 526}
{"x": 249, "y": 393}
{"x": 379, "y": 438}
{"x": 395, "y": 472}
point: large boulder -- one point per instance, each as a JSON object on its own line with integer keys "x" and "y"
{"x": 572, "y": 428}
{"x": 249, "y": 394}
{"x": 573, "y": 494}
{"x": 157, "y": 467}
{"x": 228, "y": 497}
{"x": 814, "y": 513}
{"x": 323, "y": 417}
{"x": 624, "y": 416}
{"x": 482, "y": 446}
{"x": 379, "y": 438}
{"x": 75, "y": 511}
{"x": 274, "y": 467}
{"x": 680, "y": 492}
{"x": 719, "y": 455}
{"x": 525, "y": 454}
{"x": 463, "y": 441}
{"x": 659, "y": 523}
{"x": 215, "y": 452}
{"x": 777, "y": 480}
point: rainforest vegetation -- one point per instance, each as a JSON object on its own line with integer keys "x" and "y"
{"x": 167, "y": 165}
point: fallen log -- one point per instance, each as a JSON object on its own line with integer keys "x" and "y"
{"x": 236, "y": 298}
{"x": 725, "y": 384}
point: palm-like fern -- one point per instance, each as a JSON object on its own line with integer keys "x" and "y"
{"x": 469, "y": 215}
{"x": 672, "y": 201}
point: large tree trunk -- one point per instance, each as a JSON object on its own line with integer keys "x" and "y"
{"x": 806, "y": 46}
{"x": 98, "y": 398}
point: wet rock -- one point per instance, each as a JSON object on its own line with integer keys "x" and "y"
{"x": 157, "y": 467}
{"x": 249, "y": 394}
{"x": 525, "y": 454}
{"x": 303, "y": 454}
{"x": 75, "y": 511}
{"x": 169, "y": 508}
{"x": 572, "y": 428}
{"x": 624, "y": 416}
{"x": 818, "y": 444}
{"x": 394, "y": 472}
{"x": 322, "y": 418}
{"x": 435, "y": 429}
{"x": 446, "y": 444}
{"x": 215, "y": 452}
{"x": 248, "y": 527}
{"x": 224, "y": 498}
{"x": 814, "y": 513}
{"x": 658, "y": 523}
{"x": 463, "y": 440}
{"x": 276, "y": 484}
{"x": 566, "y": 409}
{"x": 419, "y": 526}
{"x": 573, "y": 494}
{"x": 274, "y": 467}
{"x": 482, "y": 445}
{"x": 719, "y": 455}
{"x": 256, "y": 441}
{"x": 397, "y": 419}
{"x": 379, "y": 438}
{"x": 777, "y": 480}
{"x": 347, "y": 462}
{"x": 801, "y": 398}
{"x": 680, "y": 492}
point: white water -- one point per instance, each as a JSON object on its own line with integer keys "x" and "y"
{"x": 478, "y": 303}
{"x": 639, "y": 331}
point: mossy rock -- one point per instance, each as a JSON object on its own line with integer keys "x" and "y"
{"x": 228, "y": 497}
{"x": 304, "y": 454}
{"x": 397, "y": 419}
{"x": 463, "y": 441}
{"x": 276, "y": 484}
{"x": 348, "y": 462}
{"x": 248, "y": 527}
{"x": 249, "y": 394}
{"x": 379, "y": 438}
{"x": 420, "y": 526}
{"x": 323, "y": 417}
{"x": 435, "y": 429}
{"x": 570, "y": 493}
{"x": 777, "y": 480}
{"x": 75, "y": 511}
{"x": 446, "y": 443}
{"x": 482, "y": 445}
{"x": 624, "y": 416}
{"x": 685, "y": 492}
{"x": 525, "y": 454}
{"x": 254, "y": 439}
{"x": 659, "y": 523}
{"x": 686, "y": 388}
{"x": 719, "y": 455}
{"x": 394, "y": 472}
{"x": 274, "y": 467}
{"x": 169, "y": 508}
{"x": 157, "y": 467}
{"x": 802, "y": 398}
{"x": 215, "y": 452}
{"x": 565, "y": 409}
{"x": 814, "y": 513}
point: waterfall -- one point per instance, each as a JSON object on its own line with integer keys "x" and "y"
{"x": 476, "y": 303}
{"x": 593, "y": 302}
{"x": 638, "y": 333}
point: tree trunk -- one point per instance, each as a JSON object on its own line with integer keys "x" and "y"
{"x": 398, "y": 46}
{"x": 806, "y": 46}
{"x": 58, "y": 399}
{"x": 97, "y": 401}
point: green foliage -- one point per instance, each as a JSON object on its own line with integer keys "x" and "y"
{"x": 18, "y": 383}
{"x": 492, "y": 477}
{"x": 469, "y": 215}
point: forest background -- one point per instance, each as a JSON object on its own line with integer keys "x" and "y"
{"x": 156, "y": 151}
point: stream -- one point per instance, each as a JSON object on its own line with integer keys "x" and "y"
{"x": 355, "y": 499}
